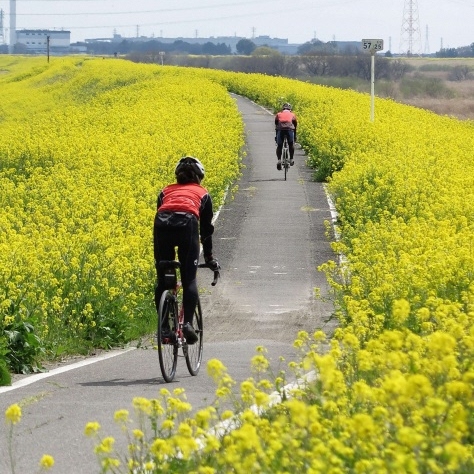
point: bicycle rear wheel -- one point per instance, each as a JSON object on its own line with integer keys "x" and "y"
{"x": 285, "y": 160}
{"x": 166, "y": 334}
{"x": 193, "y": 352}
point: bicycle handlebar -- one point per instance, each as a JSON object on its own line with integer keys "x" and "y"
{"x": 216, "y": 272}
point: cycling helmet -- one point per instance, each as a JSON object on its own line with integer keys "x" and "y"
{"x": 286, "y": 106}
{"x": 192, "y": 162}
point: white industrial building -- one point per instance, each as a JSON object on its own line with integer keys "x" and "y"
{"x": 36, "y": 41}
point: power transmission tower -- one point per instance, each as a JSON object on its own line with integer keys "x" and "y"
{"x": 410, "y": 37}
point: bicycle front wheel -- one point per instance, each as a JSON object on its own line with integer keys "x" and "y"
{"x": 166, "y": 335}
{"x": 193, "y": 352}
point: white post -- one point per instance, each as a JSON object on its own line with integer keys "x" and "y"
{"x": 372, "y": 85}
{"x": 372, "y": 45}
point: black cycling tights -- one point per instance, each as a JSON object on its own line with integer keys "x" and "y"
{"x": 186, "y": 239}
{"x": 291, "y": 145}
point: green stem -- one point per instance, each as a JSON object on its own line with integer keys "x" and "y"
{"x": 10, "y": 449}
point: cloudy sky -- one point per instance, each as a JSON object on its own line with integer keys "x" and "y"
{"x": 446, "y": 23}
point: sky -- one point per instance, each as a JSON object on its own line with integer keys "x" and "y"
{"x": 441, "y": 23}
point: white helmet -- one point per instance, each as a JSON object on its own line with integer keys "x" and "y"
{"x": 194, "y": 163}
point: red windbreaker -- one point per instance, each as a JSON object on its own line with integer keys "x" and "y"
{"x": 190, "y": 198}
{"x": 286, "y": 120}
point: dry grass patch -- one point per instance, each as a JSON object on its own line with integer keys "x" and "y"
{"x": 458, "y": 103}
{"x": 459, "y": 107}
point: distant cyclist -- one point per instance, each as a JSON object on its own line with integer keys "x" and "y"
{"x": 184, "y": 216}
{"x": 285, "y": 125}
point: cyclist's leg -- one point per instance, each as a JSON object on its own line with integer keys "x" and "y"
{"x": 188, "y": 255}
{"x": 164, "y": 242}
{"x": 279, "y": 148}
{"x": 291, "y": 143}
{"x": 279, "y": 144}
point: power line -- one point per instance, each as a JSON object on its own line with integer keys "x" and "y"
{"x": 132, "y": 12}
{"x": 181, "y": 20}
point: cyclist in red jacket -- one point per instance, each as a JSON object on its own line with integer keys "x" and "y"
{"x": 285, "y": 124}
{"x": 183, "y": 218}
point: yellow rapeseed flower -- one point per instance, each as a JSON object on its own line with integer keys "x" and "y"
{"x": 216, "y": 369}
{"x": 13, "y": 414}
{"x": 106, "y": 445}
{"x": 138, "y": 434}
{"x": 46, "y": 461}
{"x": 91, "y": 428}
{"x": 142, "y": 404}
{"x": 121, "y": 416}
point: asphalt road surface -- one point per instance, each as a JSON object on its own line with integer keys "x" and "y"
{"x": 269, "y": 238}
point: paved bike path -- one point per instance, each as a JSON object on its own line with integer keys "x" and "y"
{"x": 270, "y": 239}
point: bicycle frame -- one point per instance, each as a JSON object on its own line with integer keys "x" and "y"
{"x": 175, "y": 294}
{"x": 170, "y": 335}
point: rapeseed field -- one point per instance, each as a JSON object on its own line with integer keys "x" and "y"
{"x": 394, "y": 392}
{"x": 85, "y": 146}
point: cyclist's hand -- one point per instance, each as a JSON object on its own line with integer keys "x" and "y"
{"x": 212, "y": 263}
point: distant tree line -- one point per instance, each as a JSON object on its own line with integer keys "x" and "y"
{"x": 266, "y": 60}
{"x": 462, "y": 52}
{"x": 244, "y": 47}
{"x": 177, "y": 47}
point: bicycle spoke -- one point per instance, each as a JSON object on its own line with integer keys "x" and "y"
{"x": 166, "y": 335}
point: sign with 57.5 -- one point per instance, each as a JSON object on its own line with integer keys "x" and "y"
{"x": 372, "y": 45}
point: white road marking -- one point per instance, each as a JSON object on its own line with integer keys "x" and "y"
{"x": 60, "y": 370}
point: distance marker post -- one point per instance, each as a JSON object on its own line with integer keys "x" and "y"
{"x": 372, "y": 45}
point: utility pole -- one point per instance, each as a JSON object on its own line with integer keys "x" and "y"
{"x": 11, "y": 46}
{"x": 47, "y": 45}
{"x": 427, "y": 44}
{"x": 410, "y": 37}
{"x": 2, "y": 37}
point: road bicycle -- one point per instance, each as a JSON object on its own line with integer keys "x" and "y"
{"x": 170, "y": 335}
{"x": 285, "y": 156}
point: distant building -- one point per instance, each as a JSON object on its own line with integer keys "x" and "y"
{"x": 36, "y": 41}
